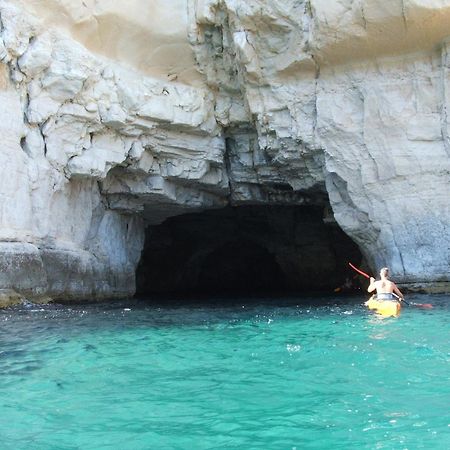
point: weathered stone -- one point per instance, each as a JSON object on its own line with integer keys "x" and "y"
{"x": 9, "y": 297}
{"x": 22, "y": 269}
{"x": 115, "y": 117}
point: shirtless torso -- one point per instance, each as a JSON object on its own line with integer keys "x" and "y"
{"x": 384, "y": 286}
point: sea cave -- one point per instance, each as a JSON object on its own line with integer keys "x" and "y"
{"x": 246, "y": 249}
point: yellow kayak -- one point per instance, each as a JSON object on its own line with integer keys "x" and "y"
{"x": 387, "y": 308}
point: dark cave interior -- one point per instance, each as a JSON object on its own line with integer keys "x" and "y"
{"x": 246, "y": 249}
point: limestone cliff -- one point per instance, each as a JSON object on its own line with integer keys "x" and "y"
{"x": 116, "y": 115}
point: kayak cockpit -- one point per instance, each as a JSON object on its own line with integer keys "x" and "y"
{"x": 386, "y": 307}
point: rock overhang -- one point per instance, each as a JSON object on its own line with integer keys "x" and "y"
{"x": 280, "y": 116}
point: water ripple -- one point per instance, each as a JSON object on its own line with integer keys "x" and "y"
{"x": 280, "y": 373}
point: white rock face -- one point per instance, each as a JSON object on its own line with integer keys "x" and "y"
{"x": 115, "y": 115}
{"x": 347, "y": 95}
{"x": 150, "y": 36}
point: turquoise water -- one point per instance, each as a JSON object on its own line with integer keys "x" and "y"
{"x": 261, "y": 374}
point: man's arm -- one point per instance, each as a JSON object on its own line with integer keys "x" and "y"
{"x": 372, "y": 285}
{"x": 397, "y": 291}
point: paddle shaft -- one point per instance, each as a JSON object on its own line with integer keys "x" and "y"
{"x": 400, "y": 300}
{"x": 364, "y": 274}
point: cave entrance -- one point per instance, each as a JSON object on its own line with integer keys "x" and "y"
{"x": 246, "y": 249}
{"x": 240, "y": 265}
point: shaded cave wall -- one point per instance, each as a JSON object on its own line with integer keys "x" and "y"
{"x": 247, "y": 249}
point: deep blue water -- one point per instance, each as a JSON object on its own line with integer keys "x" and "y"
{"x": 267, "y": 373}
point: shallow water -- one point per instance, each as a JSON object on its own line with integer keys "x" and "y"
{"x": 277, "y": 373}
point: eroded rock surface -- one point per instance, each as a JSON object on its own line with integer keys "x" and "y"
{"x": 116, "y": 116}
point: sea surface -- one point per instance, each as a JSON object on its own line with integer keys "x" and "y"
{"x": 228, "y": 373}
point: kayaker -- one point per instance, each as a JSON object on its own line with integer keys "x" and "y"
{"x": 384, "y": 287}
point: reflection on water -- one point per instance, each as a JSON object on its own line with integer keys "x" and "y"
{"x": 239, "y": 373}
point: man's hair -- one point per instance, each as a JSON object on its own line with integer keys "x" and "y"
{"x": 384, "y": 271}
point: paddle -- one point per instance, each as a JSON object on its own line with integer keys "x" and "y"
{"x": 419, "y": 305}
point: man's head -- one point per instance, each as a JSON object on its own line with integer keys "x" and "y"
{"x": 384, "y": 272}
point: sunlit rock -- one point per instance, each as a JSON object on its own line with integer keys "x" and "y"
{"x": 119, "y": 115}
